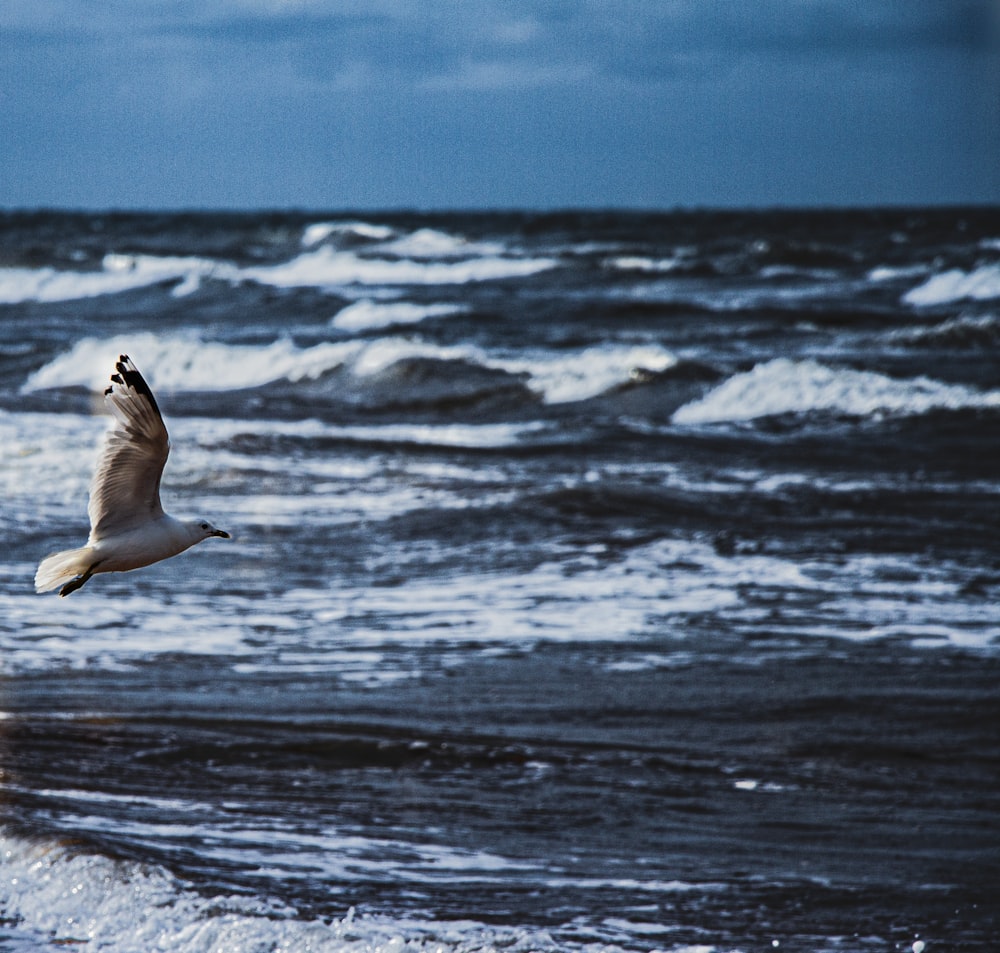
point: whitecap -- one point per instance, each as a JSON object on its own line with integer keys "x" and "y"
{"x": 367, "y": 315}
{"x": 580, "y": 375}
{"x": 186, "y": 363}
{"x": 967, "y": 328}
{"x": 557, "y": 378}
{"x": 442, "y": 435}
{"x": 64, "y": 448}
{"x": 783, "y": 386}
{"x": 427, "y": 243}
{"x": 982, "y": 284}
{"x": 319, "y": 232}
{"x": 379, "y": 356}
{"x": 55, "y": 895}
{"x": 118, "y": 273}
{"x": 326, "y": 267}
{"x": 886, "y": 273}
{"x": 644, "y": 264}
{"x": 321, "y": 267}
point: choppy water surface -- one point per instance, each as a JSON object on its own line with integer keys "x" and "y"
{"x": 599, "y": 582}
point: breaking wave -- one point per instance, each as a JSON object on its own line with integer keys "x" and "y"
{"x": 368, "y": 315}
{"x": 422, "y": 257}
{"x": 326, "y": 267}
{"x": 427, "y": 243}
{"x": 182, "y": 363}
{"x": 186, "y": 363}
{"x": 981, "y": 284}
{"x": 118, "y": 273}
{"x": 54, "y": 895}
{"x": 782, "y": 386}
{"x": 319, "y": 232}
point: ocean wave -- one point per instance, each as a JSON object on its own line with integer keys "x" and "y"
{"x": 557, "y": 378}
{"x": 54, "y": 894}
{"x": 319, "y": 232}
{"x": 185, "y": 363}
{"x": 796, "y": 291}
{"x": 981, "y": 284}
{"x": 65, "y": 448}
{"x": 368, "y": 315}
{"x": 422, "y": 244}
{"x": 644, "y": 264}
{"x": 580, "y": 375}
{"x": 427, "y": 243}
{"x": 326, "y": 267}
{"x": 423, "y": 257}
{"x": 972, "y": 330}
{"x": 118, "y": 273}
{"x": 886, "y": 273}
{"x": 441, "y": 435}
{"x": 782, "y": 386}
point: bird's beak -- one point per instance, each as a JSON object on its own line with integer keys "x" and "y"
{"x": 221, "y": 533}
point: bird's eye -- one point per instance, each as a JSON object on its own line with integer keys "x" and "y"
{"x": 204, "y": 525}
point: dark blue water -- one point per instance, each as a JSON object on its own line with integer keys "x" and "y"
{"x": 599, "y": 582}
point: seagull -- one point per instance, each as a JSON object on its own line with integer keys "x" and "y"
{"x": 128, "y": 528}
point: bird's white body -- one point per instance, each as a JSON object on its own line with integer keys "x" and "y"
{"x": 159, "y": 539}
{"x": 129, "y": 529}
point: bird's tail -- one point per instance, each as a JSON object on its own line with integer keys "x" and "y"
{"x": 60, "y": 568}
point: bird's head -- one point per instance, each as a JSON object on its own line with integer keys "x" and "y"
{"x": 202, "y": 529}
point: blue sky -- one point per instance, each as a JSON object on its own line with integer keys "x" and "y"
{"x": 498, "y": 103}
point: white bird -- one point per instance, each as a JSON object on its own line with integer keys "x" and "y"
{"x": 128, "y": 528}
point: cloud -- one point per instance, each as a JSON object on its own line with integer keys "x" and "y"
{"x": 489, "y": 45}
{"x": 465, "y": 101}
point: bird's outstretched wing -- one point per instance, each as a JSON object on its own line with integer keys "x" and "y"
{"x": 125, "y": 491}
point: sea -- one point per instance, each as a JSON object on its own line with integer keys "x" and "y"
{"x": 599, "y": 582}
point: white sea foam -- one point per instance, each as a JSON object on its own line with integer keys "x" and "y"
{"x": 556, "y": 377}
{"x": 726, "y": 297}
{"x": 367, "y": 315}
{"x": 984, "y": 328}
{"x": 424, "y": 257}
{"x": 981, "y": 284}
{"x": 782, "y": 386}
{"x": 884, "y": 273}
{"x": 337, "y": 630}
{"x": 184, "y": 362}
{"x": 118, "y": 273}
{"x": 55, "y": 895}
{"x": 643, "y": 264}
{"x": 426, "y": 243}
{"x": 63, "y": 447}
{"x": 442, "y": 435}
{"x": 272, "y": 847}
{"x": 325, "y": 267}
{"x": 364, "y": 634}
{"x": 319, "y": 232}
{"x": 579, "y": 375}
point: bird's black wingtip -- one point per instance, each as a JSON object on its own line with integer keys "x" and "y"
{"x": 128, "y": 376}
